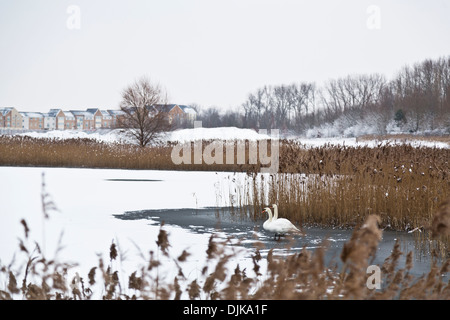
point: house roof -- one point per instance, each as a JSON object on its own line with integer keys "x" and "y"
{"x": 80, "y": 113}
{"x": 105, "y": 113}
{"x": 187, "y": 109}
{"x": 116, "y": 112}
{"x": 169, "y": 107}
{"x": 32, "y": 114}
{"x": 6, "y": 110}
{"x": 93, "y": 110}
{"x": 53, "y": 112}
{"x": 69, "y": 115}
{"x": 163, "y": 107}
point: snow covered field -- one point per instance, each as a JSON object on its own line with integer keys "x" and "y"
{"x": 182, "y": 135}
{"x": 224, "y": 133}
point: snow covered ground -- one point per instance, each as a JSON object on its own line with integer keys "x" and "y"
{"x": 182, "y": 135}
{"x": 224, "y": 133}
{"x": 87, "y": 199}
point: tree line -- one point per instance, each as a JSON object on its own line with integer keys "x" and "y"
{"x": 417, "y": 99}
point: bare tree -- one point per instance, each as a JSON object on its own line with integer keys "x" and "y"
{"x": 422, "y": 92}
{"x": 145, "y": 116}
{"x": 258, "y": 108}
{"x": 356, "y": 91}
{"x": 302, "y": 103}
{"x": 282, "y": 105}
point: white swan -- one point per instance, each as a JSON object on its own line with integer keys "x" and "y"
{"x": 285, "y": 222}
{"x": 279, "y": 226}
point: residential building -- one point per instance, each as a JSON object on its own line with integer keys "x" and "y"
{"x": 91, "y": 119}
{"x": 2, "y": 118}
{"x": 32, "y": 120}
{"x": 84, "y": 120}
{"x": 54, "y": 120}
{"x": 106, "y": 119}
{"x": 116, "y": 116}
{"x": 98, "y": 117}
{"x": 177, "y": 113}
{"x": 49, "y": 121}
{"x": 10, "y": 118}
{"x": 189, "y": 113}
{"x": 70, "y": 122}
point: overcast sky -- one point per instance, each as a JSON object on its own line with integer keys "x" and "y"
{"x": 209, "y": 52}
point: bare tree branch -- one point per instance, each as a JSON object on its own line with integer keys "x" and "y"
{"x": 146, "y": 117}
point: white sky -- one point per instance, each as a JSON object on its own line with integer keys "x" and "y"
{"x": 210, "y": 52}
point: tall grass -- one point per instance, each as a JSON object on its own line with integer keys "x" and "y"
{"x": 403, "y": 137}
{"x": 339, "y": 186}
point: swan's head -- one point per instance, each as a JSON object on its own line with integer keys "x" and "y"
{"x": 267, "y": 210}
{"x": 274, "y": 206}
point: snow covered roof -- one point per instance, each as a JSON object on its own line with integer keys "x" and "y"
{"x": 53, "y": 112}
{"x": 187, "y": 109}
{"x": 32, "y": 114}
{"x": 163, "y": 107}
{"x": 92, "y": 110}
{"x": 105, "y": 114}
{"x": 6, "y": 110}
{"x": 116, "y": 112}
{"x": 69, "y": 115}
{"x": 80, "y": 113}
{"x": 169, "y": 107}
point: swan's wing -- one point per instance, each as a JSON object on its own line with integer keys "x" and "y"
{"x": 284, "y": 225}
{"x": 269, "y": 226}
{"x": 287, "y": 223}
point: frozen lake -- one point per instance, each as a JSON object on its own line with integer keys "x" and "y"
{"x": 88, "y": 199}
{"x": 98, "y": 206}
{"x": 246, "y": 232}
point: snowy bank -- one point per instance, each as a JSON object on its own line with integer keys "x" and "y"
{"x": 230, "y": 134}
{"x": 222, "y": 133}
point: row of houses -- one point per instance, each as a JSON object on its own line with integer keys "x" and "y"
{"x": 91, "y": 119}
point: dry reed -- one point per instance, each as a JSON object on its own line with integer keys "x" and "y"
{"x": 302, "y": 275}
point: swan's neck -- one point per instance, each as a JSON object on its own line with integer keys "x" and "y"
{"x": 275, "y": 213}
{"x": 270, "y": 214}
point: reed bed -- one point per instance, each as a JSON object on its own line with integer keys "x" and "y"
{"x": 403, "y": 137}
{"x": 339, "y": 186}
{"x": 87, "y": 153}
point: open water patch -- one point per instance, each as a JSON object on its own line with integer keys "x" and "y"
{"x": 246, "y": 232}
